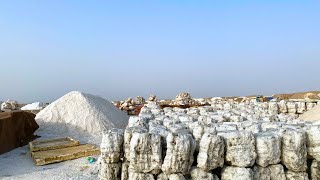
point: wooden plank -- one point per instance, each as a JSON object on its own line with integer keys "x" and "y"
{"x": 64, "y": 154}
{"x": 43, "y": 145}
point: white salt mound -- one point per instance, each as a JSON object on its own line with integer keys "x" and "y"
{"x": 311, "y": 115}
{"x": 80, "y": 115}
{"x": 33, "y": 106}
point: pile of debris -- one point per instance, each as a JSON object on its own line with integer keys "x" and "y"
{"x": 128, "y": 106}
{"x": 152, "y": 98}
{"x": 116, "y": 103}
{"x": 9, "y": 105}
{"x": 140, "y": 100}
{"x": 184, "y": 99}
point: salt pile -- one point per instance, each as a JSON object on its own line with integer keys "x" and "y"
{"x": 81, "y": 116}
{"x": 33, "y": 106}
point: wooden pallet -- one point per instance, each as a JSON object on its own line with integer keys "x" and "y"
{"x": 64, "y": 154}
{"x": 43, "y": 145}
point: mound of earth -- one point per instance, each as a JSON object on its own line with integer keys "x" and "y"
{"x": 298, "y": 95}
{"x": 303, "y": 95}
{"x": 311, "y": 115}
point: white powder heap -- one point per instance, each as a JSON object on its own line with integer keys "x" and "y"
{"x": 81, "y": 116}
{"x": 33, "y": 106}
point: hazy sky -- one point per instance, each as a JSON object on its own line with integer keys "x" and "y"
{"x": 120, "y": 49}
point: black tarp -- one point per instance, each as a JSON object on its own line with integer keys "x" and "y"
{"x": 16, "y": 129}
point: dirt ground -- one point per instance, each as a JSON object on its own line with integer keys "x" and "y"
{"x": 298, "y": 95}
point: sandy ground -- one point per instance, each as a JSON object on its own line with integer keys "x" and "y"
{"x": 18, "y": 164}
{"x": 311, "y": 115}
{"x": 297, "y": 95}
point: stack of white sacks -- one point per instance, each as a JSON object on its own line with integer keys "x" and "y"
{"x": 227, "y": 140}
{"x": 111, "y": 154}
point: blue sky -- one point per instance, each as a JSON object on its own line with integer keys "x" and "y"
{"x": 120, "y": 49}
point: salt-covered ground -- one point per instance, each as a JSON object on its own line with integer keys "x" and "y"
{"x": 18, "y": 164}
